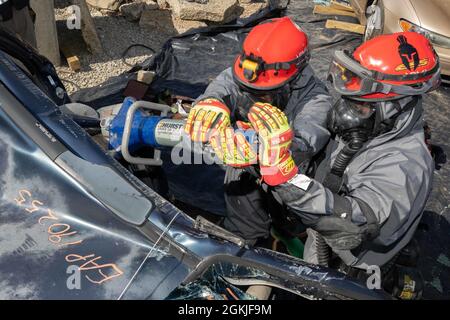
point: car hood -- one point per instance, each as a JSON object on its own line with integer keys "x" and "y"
{"x": 434, "y": 15}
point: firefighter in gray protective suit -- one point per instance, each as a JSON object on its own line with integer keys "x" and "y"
{"x": 368, "y": 194}
{"x": 377, "y": 173}
{"x": 282, "y": 78}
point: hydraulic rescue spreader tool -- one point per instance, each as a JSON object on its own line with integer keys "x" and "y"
{"x": 136, "y": 126}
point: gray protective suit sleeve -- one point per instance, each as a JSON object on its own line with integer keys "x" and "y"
{"x": 223, "y": 88}
{"x": 310, "y": 119}
{"x": 306, "y": 109}
{"x": 392, "y": 183}
{"x": 387, "y": 186}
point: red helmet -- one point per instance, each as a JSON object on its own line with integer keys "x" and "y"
{"x": 274, "y": 53}
{"x": 387, "y": 67}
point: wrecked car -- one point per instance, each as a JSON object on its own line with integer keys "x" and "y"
{"x": 77, "y": 224}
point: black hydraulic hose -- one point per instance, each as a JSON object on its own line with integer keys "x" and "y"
{"x": 134, "y": 45}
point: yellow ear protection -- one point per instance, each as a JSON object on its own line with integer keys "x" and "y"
{"x": 252, "y": 66}
{"x": 251, "y": 69}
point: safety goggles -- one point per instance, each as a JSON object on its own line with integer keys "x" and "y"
{"x": 351, "y": 79}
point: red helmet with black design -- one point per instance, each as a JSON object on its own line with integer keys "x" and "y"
{"x": 273, "y": 54}
{"x": 387, "y": 67}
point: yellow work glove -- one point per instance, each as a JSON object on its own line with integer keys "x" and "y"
{"x": 205, "y": 116}
{"x": 275, "y": 138}
{"x": 232, "y": 148}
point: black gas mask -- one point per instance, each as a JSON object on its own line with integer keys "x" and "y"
{"x": 353, "y": 121}
{"x": 349, "y": 117}
{"x": 356, "y": 122}
{"x": 367, "y": 119}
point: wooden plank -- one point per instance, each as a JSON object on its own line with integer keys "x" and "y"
{"x": 341, "y": 6}
{"x": 72, "y": 59}
{"x": 46, "y": 33}
{"x": 352, "y": 27}
{"x": 145, "y": 76}
{"x": 318, "y": 9}
{"x": 74, "y": 63}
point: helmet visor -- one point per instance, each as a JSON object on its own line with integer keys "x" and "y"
{"x": 349, "y": 78}
{"x": 344, "y": 79}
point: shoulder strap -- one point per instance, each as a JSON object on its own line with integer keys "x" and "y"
{"x": 324, "y": 161}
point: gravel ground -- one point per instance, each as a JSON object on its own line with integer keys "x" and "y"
{"x": 116, "y": 35}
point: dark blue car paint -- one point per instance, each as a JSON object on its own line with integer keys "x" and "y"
{"x": 39, "y": 270}
{"x": 45, "y": 111}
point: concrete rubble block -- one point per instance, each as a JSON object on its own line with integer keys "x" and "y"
{"x": 198, "y": 1}
{"x": 220, "y": 11}
{"x": 181, "y": 26}
{"x": 162, "y": 4}
{"x": 156, "y": 19}
{"x": 250, "y": 7}
{"x": 280, "y": 3}
{"x": 275, "y": 2}
{"x": 151, "y": 5}
{"x": 46, "y": 32}
{"x": 163, "y": 19}
{"x": 112, "y": 5}
{"x": 88, "y": 28}
{"x": 132, "y": 11}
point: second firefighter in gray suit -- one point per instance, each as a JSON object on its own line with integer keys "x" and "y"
{"x": 369, "y": 193}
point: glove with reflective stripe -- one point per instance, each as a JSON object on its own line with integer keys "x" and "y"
{"x": 206, "y": 115}
{"x": 275, "y": 139}
{"x": 232, "y": 148}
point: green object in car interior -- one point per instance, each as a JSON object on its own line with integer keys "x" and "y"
{"x": 294, "y": 245}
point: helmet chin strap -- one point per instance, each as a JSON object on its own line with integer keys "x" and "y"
{"x": 282, "y": 98}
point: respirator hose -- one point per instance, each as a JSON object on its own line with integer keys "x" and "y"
{"x": 355, "y": 143}
{"x": 323, "y": 251}
{"x": 356, "y": 140}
